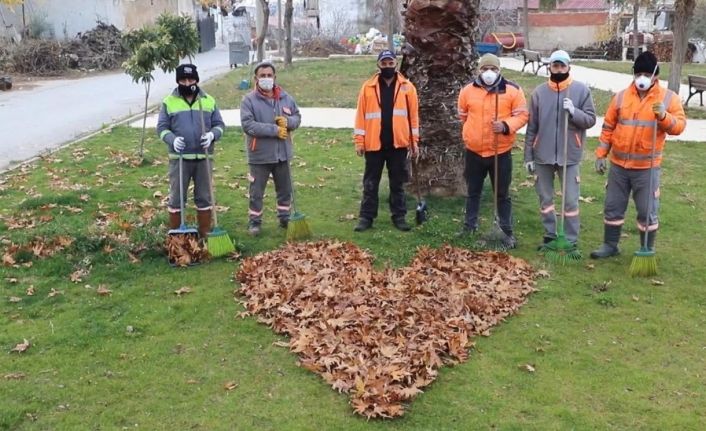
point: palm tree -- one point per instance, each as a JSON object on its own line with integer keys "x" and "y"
{"x": 439, "y": 60}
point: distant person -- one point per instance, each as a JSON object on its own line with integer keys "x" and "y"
{"x": 179, "y": 126}
{"x": 627, "y": 136}
{"x": 550, "y": 103}
{"x": 268, "y": 115}
{"x": 386, "y": 133}
{"x": 492, "y": 110}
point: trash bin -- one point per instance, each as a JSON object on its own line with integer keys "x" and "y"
{"x": 239, "y": 53}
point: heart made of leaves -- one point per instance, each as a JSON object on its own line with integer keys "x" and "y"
{"x": 381, "y": 336}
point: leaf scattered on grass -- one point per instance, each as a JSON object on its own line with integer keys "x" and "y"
{"x": 182, "y": 291}
{"x": 30, "y": 291}
{"x": 381, "y": 336}
{"x": 53, "y": 292}
{"x": 527, "y": 367}
{"x": 656, "y": 282}
{"x": 14, "y": 299}
{"x": 103, "y": 291}
{"x": 229, "y": 386}
{"x": 14, "y": 376}
{"x": 21, "y": 347}
{"x": 184, "y": 250}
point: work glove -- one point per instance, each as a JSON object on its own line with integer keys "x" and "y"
{"x": 569, "y": 106}
{"x": 281, "y": 121}
{"x": 659, "y": 110}
{"x": 179, "y": 144}
{"x": 601, "y": 165}
{"x": 499, "y": 126}
{"x": 206, "y": 140}
{"x": 530, "y": 167}
{"x": 281, "y": 132}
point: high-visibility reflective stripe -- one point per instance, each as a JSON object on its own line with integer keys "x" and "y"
{"x": 208, "y": 208}
{"x": 667, "y": 98}
{"x": 633, "y": 156}
{"x": 642, "y": 123}
{"x": 255, "y": 213}
{"x": 219, "y": 129}
{"x": 571, "y": 213}
{"x": 518, "y": 111}
{"x": 399, "y": 112}
{"x": 164, "y": 133}
{"x": 415, "y": 131}
{"x": 604, "y": 145}
{"x": 614, "y": 222}
{"x": 373, "y": 115}
{"x": 199, "y": 156}
{"x": 282, "y": 207}
{"x": 460, "y": 112}
{"x": 359, "y": 132}
{"x": 619, "y": 100}
{"x": 547, "y": 210}
{"x": 643, "y": 228}
{"x": 174, "y": 210}
{"x": 608, "y": 127}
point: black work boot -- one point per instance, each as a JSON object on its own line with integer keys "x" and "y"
{"x": 363, "y": 224}
{"x": 401, "y": 224}
{"x": 650, "y": 240}
{"x": 611, "y": 237}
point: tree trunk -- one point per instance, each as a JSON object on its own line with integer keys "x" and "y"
{"x": 438, "y": 59}
{"x": 144, "y": 120}
{"x": 525, "y": 19}
{"x": 684, "y": 10}
{"x": 391, "y": 11}
{"x": 288, "y": 12}
{"x": 280, "y": 41}
{"x": 635, "y": 47}
{"x": 265, "y": 16}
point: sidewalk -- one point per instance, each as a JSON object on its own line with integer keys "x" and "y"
{"x": 342, "y": 118}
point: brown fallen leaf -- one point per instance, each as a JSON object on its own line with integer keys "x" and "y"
{"x": 21, "y": 347}
{"x": 182, "y": 291}
{"x": 229, "y": 386}
{"x": 527, "y": 367}
{"x": 656, "y": 282}
{"x": 53, "y": 292}
{"x": 103, "y": 291}
{"x": 15, "y": 299}
{"x": 281, "y": 344}
{"x": 15, "y": 376}
{"x": 543, "y": 273}
{"x": 30, "y": 291}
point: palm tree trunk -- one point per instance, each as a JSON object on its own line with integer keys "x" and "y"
{"x": 439, "y": 59}
{"x": 684, "y": 9}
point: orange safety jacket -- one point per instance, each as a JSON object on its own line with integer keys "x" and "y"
{"x": 629, "y": 124}
{"x": 476, "y": 109}
{"x": 405, "y": 115}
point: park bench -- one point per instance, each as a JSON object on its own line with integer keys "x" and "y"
{"x": 534, "y": 58}
{"x": 697, "y": 85}
{"x": 589, "y": 54}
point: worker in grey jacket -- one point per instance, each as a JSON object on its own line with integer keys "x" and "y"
{"x": 544, "y": 143}
{"x": 268, "y": 116}
{"x": 183, "y": 114}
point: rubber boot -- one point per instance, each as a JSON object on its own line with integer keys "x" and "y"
{"x": 174, "y": 220}
{"x": 611, "y": 237}
{"x": 650, "y": 240}
{"x": 204, "y": 221}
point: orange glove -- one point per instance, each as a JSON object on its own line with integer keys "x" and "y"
{"x": 282, "y": 132}
{"x": 281, "y": 121}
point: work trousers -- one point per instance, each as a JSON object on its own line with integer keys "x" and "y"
{"x": 476, "y": 169}
{"x": 621, "y": 183}
{"x": 397, "y": 173}
{"x": 258, "y": 177}
{"x": 544, "y": 185}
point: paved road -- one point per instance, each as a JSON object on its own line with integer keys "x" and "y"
{"x": 59, "y": 111}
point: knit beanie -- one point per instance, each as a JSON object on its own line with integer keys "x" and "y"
{"x": 645, "y": 63}
{"x": 489, "y": 60}
{"x": 184, "y": 71}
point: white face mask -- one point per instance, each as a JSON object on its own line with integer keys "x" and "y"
{"x": 266, "y": 84}
{"x": 489, "y": 77}
{"x": 643, "y": 82}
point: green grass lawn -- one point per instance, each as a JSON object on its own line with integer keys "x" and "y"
{"x": 610, "y": 352}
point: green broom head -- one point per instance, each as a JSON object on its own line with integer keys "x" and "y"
{"x": 219, "y": 243}
{"x": 644, "y": 263}
{"x": 561, "y": 251}
{"x": 298, "y": 228}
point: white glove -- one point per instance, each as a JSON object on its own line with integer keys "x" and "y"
{"x": 530, "y": 167}
{"x": 179, "y": 144}
{"x": 206, "y": 140}
{"x": 569, "y": 105}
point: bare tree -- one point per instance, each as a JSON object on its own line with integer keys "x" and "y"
{"x": 684, "y": 11}
{"x": 264, "y": 6}
{"x": 288, "y": 12}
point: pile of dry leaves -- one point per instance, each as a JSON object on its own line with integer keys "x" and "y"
{"x": 185, "y": 250}
{"x": 381, "y": 336}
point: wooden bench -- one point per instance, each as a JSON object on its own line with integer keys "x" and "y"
{"x": 534, "y": 58}
{"x": 697, "y": 85}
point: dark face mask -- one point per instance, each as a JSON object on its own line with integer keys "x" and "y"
{"x": 188, "y": 90}
{"x": 559, "y": 77}
{"x": 387, "y": 72}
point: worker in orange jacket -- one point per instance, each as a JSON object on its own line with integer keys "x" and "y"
{"x": 492, "y": 110}
{"x": 386, "y": 133}
{"x": 627, "y": 135}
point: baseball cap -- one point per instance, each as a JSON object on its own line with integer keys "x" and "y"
{"x": 386, "y": 54}
{"x": 560, "y": 56}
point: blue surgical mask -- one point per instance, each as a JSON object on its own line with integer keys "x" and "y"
{"x": 266, "y": 84}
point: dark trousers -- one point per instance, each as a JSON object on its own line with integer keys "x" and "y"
{"x": 375, "y": 161}
{"x": 477, "y": 168}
